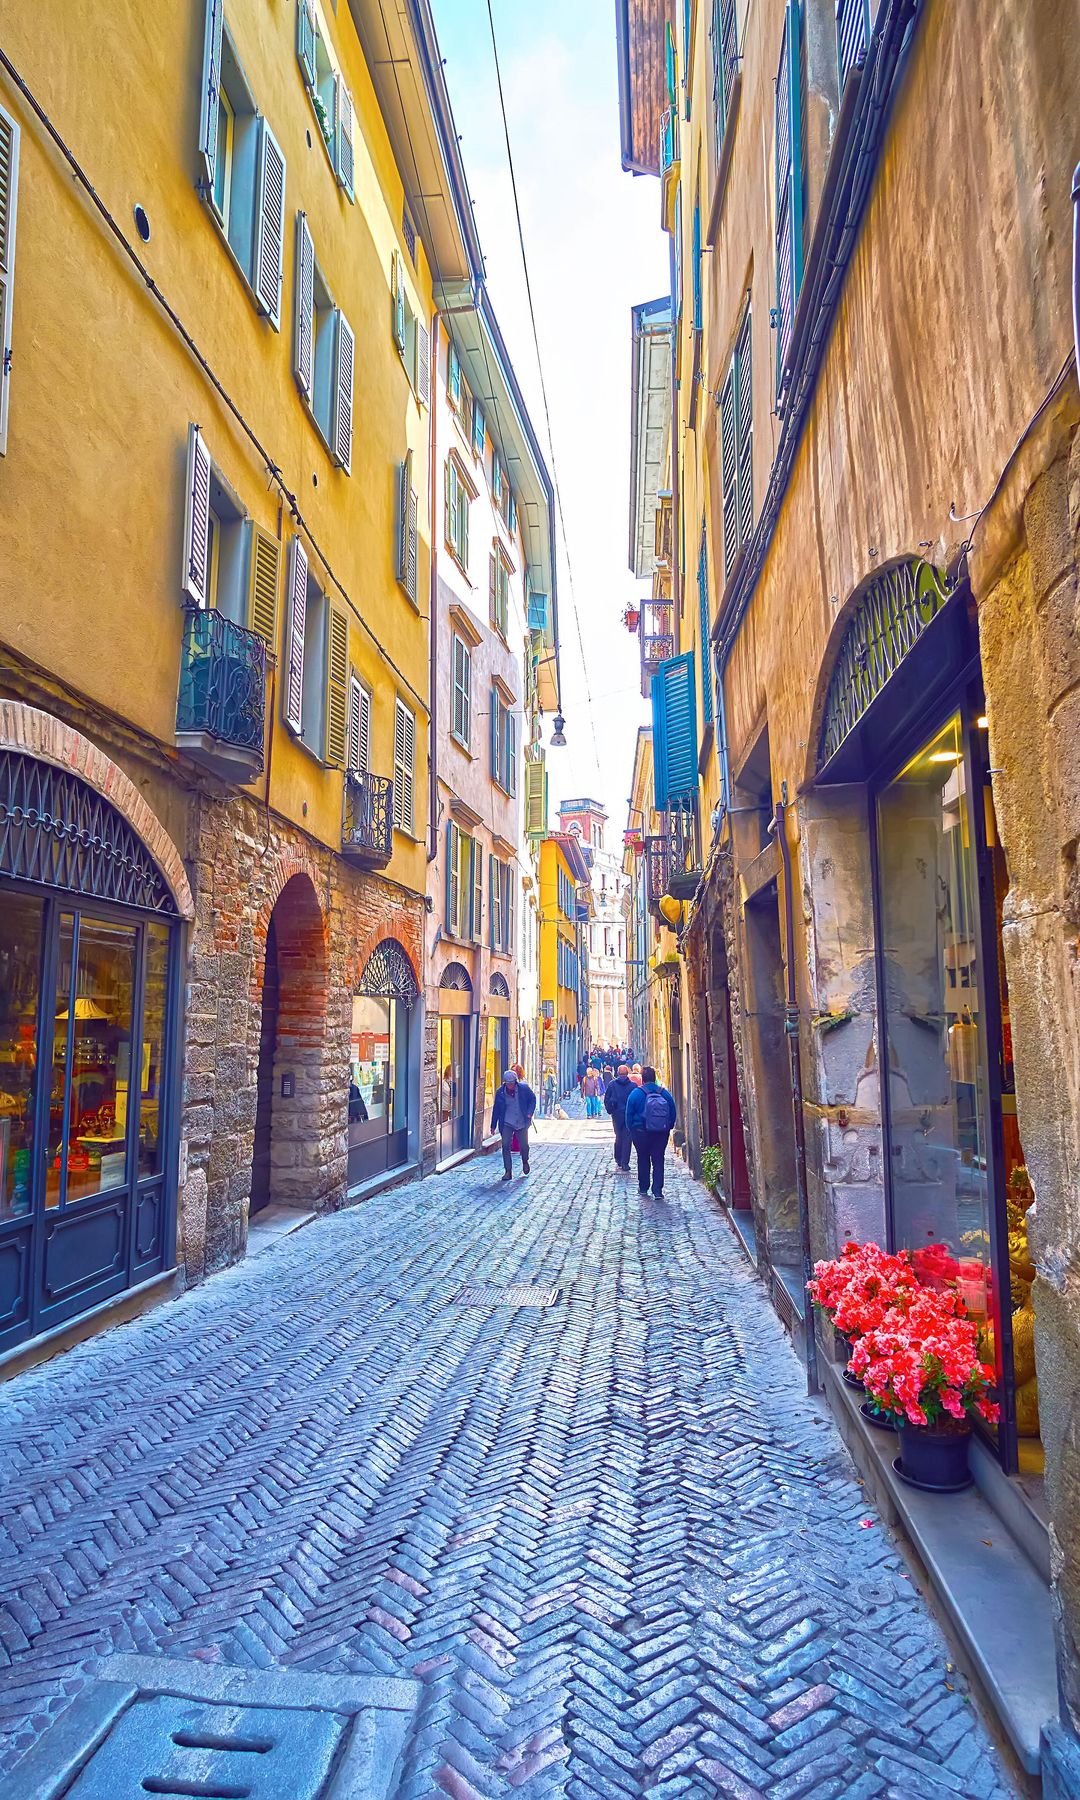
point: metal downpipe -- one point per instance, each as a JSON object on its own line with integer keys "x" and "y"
{"x": 791, "y": 1032}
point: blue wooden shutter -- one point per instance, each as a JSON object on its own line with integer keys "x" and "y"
{"x": 789, "y": 183}
{"x": 705, "y": 628}
{"x": 669, "y": 64}
{"x": 729, "y": 466}
{"x": 675, "y": 746}
{"x": 744, "y": 428}
{"x": 852, "y": 35}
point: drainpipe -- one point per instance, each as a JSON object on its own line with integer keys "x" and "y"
{"x": 433, "y": 605}
{"x": 791, "y": 1031}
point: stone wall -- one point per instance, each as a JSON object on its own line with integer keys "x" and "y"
{"x": 245, "y": 861}
{"x": 1024, "y": 570}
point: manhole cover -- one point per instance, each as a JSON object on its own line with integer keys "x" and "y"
{"x": 159, "y": 1725}
{"x": 483, "y": 1293}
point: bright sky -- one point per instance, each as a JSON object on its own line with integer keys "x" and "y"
{"x": 594, "y": 244}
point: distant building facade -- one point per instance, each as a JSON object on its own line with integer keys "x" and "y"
{"x": 587, "y": 821}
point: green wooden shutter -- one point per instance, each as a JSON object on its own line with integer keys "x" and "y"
{"x": 675, "y": 744}
{"x": 744, "y": 429}
{"x": 336, "y": 715}
{"x": 789, "y": 183}
{"x": 401, "y": 546}
{"x": 453, "y": 879}
{"x": 535, "y": 798}
{"x": 476, "y": 921}
{"x": 705, "y": 628}
{"x": 729, "y": 470}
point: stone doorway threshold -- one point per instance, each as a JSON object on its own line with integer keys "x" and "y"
{"x": 274, "y": 1222}
{"x": 158, "y": 1724}
{"x": 987, "y": 1581}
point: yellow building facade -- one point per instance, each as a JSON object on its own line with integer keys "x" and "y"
{"x": 217, "y": 306}
{"x": 562, "y": 870}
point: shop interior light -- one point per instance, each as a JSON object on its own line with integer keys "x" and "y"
{"x": 983, "y": 722}
{"x": 944, "y": 756}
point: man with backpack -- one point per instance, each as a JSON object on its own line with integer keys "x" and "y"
{"x": 650, "y": 1116}
{"x": 615, "y": 1098}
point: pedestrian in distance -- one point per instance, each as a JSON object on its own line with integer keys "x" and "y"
{"x": 581, "y": 1068}
{"x": 650, "y": 1116}
{"x": 590, "y": 1087}
{"x": 512, "y": 1115}
{"x": 615, "y": 1099}
{"x": 635, "y": 1074}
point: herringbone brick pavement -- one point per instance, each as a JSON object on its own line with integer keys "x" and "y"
{"x": 622, "y": 1551}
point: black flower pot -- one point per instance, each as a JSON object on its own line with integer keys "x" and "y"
{"x": 935, "y": 1457}
{"x": 873, "y": 1415}
{"x": 847, "y": 1346}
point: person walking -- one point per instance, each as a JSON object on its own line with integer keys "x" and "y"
{"x": 650, "y": 1115}
{"x": 515, "y": 1104}
{"x": 615, "y": 1099}
{"x": 590, "y": 1087}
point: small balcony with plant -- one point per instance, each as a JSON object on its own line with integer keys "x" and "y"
{"x": 367, "y": 832}
{"x": 221, "y": 703}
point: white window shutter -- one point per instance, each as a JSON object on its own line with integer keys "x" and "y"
{"x": 9, "y": 185}
{"x": 305, "y": 39}
{"x": 423, "y": 363}
{"x": 196, "y": 581}
{"x": 363, "y": 735}
{"x": 269, "y": 248}
{"x": 208, "y": 101}
{"x": 404, "y": 768}
{"x": 294, "y": 669}
{"x": 303, "y": 330}
{"x": 341, "y": 435}
{"x": 345, "y": 158}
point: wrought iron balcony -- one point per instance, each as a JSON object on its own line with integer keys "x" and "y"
{"x": 367, "y": 832}
{"x": 673, "y": 859}
{"x": 657, "y": 634}
{"x": 221, "y": 704}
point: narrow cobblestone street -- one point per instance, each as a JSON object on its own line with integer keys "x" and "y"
{"x": 617, "y": 1545}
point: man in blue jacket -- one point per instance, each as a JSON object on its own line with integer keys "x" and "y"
{"x": 650, "y": 1115}
{"x": 512, "y": 1112}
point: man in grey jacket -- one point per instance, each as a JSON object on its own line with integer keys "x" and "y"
{"x": 515, "y": 1104}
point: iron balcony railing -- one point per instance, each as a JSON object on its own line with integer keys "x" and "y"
{"x": 673, "y": 858}
{"x": 657, "y": 634}
{"x": 222, "y": 692}
{"x": 367, "y": 834}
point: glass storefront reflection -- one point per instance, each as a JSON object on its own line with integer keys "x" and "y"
{"x": 452, "y": 1088}
{"x": 152, "y": 1065}
{"x": 21, "y": 931}
{"x": 91, "y": 1068}
{"x": 378, "y": 1085}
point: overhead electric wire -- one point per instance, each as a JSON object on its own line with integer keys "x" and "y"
{"x": 543, "y": 384}
{"x": 272, "y": 468}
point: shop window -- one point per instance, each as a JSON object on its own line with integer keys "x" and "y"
{"x": 242, "y": 168}
{"x": 151, "y": 1071}
{"x": 21, "y": 938}
{"x": 91, "y": 1062}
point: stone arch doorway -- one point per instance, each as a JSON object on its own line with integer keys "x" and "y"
{"x": 287, "y": 1166}
{"x": 384, "y": 1065}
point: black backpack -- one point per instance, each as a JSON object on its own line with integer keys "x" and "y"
{"x": 657, "y": 1112}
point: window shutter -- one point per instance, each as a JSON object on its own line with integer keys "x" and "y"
{"x": 511, "y": 751}
{"x": 696, "y": 273}
{"x": 294, "y": 669}
{"x": 9, "y": 182}
{"x": 337, "y": 678}
{"x": 344, "y": 351}
{"x": 356, "y": 701}
{"x": 423, "y": 363}
{"x": 789, "y": 183}
{"x": 675, "y": 748}
{"x": 398, "y": 299}
{"x": 495, "y": 736}
{"x": 412, "y": 549}
{"x": 476, "y": 921}
{"x": 493, "y": 903}
{"x": 404, "y": 768}
{"x": 303, "y": 329}
{"x": 852, "y": 36}
{"x": 493, "y": 587}
{"x": 448, "y": 482}
{"x": 511, "y": 512}
{"x": 510, "y": 908}
{"x": 463, "y": 527}
{"x": 453, "y": 880}
{"x": 346, "y": 130}
{"x": 265, "y": 561}
{"x": 211, "y": 82}
{"x": 496, "y": 478}
{"x": 729, "y": 468}
{"x": 269, "y": 249}
{"x": 453, "y": 375}
{"x": 404, "y": 485}
{"x": 478, "y": 429}
{"x": 196, "y": 582}
{"x": 305, "y": 39}
{"x": 745, "y": 429}
{"x": 705, "y": 629}
{"x": 535, "y": 798}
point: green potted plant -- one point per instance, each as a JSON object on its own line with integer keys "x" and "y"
{"x": 712, "y": 1167}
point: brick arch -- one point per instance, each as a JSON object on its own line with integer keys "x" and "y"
{"x": 35, "y": 733}
{"x": 379, "y": 934}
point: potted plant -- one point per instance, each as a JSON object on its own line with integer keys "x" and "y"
{"x": 921, "y": 1365}
{"x": 631, "y": 617}
{"x": 855, "y": 1292}
{"x": 712, "y": 1166}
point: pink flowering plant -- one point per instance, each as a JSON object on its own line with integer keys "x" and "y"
{"x": 921, "y": 1365}
{"x": 860, "y": 1288}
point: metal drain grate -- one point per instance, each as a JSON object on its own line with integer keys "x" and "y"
{"x": 483, "y": 1293}
{"x": 168, "y": 1746}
